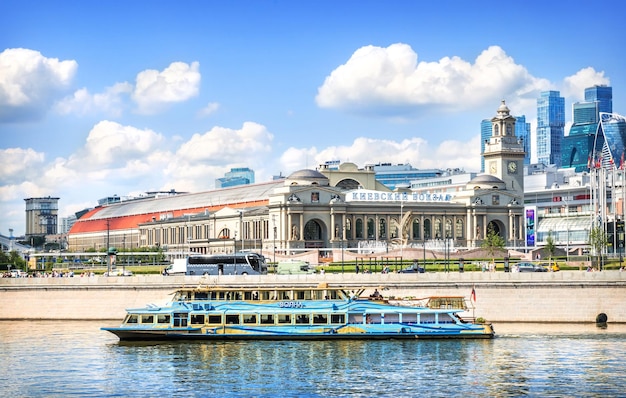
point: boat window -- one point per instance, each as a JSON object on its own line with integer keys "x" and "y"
{"x": 332, "y": 294}
{"x": 267, "y": 319}
{"x": 303, "y": 318}
{"x": 338, "y": 318}
{"x": 202, "y": 295}
{"x": 320, "y": 318}
{"x": 265, "y": 295}
{"x": 409, "y": 318}
{"x": 317, "y": 294}
{"x": 213, "y": 295}
{"x": 232, "y": 319}
{"x": 197, "y": 319}
{"x": 285, "y": 295}
{"x": 446, "y": 318}
{"x": 132, "y": 318}
{"x": 249, "y": 318}
{"x": 163, "y": 318}
{"x": 221, "y": 296}
{"x": 215, "y": 319}
{"x": 391, "y": 318}
{"x": 180, "y": 319}
{"x": 355, "y": 318}
{"x": 147, "y": 318}
{"x": 284, "y": 318}
{"x": 427, "y": 318}
{"x": 302, "y": 295}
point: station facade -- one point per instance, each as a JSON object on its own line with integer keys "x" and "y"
{"x": 328, "y": 208}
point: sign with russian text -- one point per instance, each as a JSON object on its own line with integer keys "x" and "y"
{"x": 366, "y": 195}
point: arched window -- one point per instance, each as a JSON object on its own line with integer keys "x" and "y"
{"x": 496, "y": 129}
{"x": 448, "y": 228}
{"x": 359, "y": 228}
{"x": 382, "y": 228}
{"x": 416, "y": 229}
{"x": 224, "y": 234}
{"x": 438, "y": 229}
{"x": 348, "y": 229}
{"x": 427, "y": 229}
{"x": 370, "y": 228}
{"x": 458, "y": 230}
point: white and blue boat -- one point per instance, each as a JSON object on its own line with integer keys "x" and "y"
{"x": 306, "y": 313}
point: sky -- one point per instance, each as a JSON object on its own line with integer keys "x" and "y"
{"x": 125, "y": 97}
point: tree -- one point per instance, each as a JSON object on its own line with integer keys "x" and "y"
{"x": 550, "y": 247}
{"x": 493, "y": 242}
{"x": 598, "y": 241}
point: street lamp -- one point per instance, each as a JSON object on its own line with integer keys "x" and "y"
{"x": 274, "y": 226}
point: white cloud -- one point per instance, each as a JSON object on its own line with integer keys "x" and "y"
{"x": 574, "y": 86}
{"x": 415, "y": 151}
{"x": 82, "y": 102}
{"x": 16, "y": 163}
{"x": 30, "y": 82}
{"x": 176, "y": 83}
{"x": 112, "y": 144}
{"x": 210, "y": 109}
{"x": 391, "y": 81}
{"x": 224, "y": 145}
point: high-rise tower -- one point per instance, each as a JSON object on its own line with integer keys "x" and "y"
{"x": 577, "y": 148}
{"x": 550, "y": 127}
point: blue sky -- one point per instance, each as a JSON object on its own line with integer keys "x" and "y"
{"x": 124, "y": 97}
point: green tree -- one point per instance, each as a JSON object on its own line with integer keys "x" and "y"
{"x": 493, "y": 242}
{"x": 550, "y": 247}
{"x": 598, "y": 241}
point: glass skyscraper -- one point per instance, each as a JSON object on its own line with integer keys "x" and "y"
{"x": 578, "y": 147}
{"x": 603, "y": 95}
{"x": 550, "y": 127}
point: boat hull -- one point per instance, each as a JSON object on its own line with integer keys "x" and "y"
{"x": 126, "y": 334}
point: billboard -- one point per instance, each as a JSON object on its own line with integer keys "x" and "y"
{"x": 530, "y": 217}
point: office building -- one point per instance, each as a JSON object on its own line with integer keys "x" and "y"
{"x": 235, "y": 177}
{"x": 550, "y": 127}
{"x": 41, "y": 216}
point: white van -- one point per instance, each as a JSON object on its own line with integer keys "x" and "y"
{"x": 294, "y": 267}
{"x": 178, "y": 267}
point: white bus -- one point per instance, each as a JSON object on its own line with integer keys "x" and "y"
{"x": 226, "y": 264}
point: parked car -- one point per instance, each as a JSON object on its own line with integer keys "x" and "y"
{"x": 554, "y": 267}
{"x": 119, "y": 273}
{"x": 412, "y": 270}
{"x": 530, "y": 267}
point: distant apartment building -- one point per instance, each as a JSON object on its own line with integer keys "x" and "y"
{"x": 41, "y": 216}
{"x": 550, "y": 127}
{"x": 401, "y": 175}
{"x": 235, "y": 177}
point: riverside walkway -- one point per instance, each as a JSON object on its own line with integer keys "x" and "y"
{"x": 565, "y": 296}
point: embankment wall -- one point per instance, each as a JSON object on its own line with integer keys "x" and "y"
{"x": 566, "y": 296}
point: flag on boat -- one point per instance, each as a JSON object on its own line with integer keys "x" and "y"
{"x": 473, "y": 295}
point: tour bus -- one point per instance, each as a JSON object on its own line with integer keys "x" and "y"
{"x": 226, "y": 264}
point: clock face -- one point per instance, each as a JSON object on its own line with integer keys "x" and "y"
{"x": 512, "y": 167}
{"x": 492, "y": 167}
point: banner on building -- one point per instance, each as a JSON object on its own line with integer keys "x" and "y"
{"x": 531, "y": 222}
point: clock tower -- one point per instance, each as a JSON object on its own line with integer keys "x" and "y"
{"x": 504, "y": 152}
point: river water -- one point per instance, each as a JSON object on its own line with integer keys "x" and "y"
{"x": 56, "y": 358}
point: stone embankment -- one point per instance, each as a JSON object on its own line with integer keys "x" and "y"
{"x": 566, "y": 296}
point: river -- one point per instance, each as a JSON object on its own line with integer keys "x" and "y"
{"x": 55, "y": 358}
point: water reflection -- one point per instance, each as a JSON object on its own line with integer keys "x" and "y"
{"x": 76, "y": 358}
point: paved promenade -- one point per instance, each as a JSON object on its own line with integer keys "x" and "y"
{"x": 566, "y": 296}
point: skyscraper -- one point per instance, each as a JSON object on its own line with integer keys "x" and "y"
{"x": 601, "y": 94}
{"x": 522, "y": 131}
{"x": 578, "y": 146}
{"x": 550, "y": 127}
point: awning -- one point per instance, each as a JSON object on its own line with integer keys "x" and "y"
{"x": 564, "y": 224}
